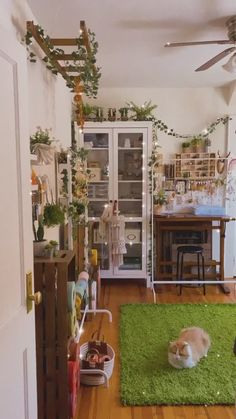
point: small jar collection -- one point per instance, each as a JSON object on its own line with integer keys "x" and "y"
{"x": 112, "y": 114}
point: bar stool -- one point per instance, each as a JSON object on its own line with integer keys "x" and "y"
{"x": 195, "y": 250}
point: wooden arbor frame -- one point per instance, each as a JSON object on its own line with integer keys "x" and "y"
{"x": 65, "y": 70}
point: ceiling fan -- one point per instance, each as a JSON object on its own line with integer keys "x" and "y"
{"x": 231, "y": 26}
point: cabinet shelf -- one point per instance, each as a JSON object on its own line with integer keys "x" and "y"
{"x": 129, "y": 199}
{"x": 130, "y": 148}
{"x": 97, "y": 149}
{"x": 130, "y": 181}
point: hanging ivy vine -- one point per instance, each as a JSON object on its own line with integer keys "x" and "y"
{"x": 84, "y": 62}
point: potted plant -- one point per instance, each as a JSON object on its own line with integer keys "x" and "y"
{"x": 41, "y": 145}
{"x": 89, "y": 112}
{"x": 143, "y": 112}
{"x": 159, "y": 202}
{"x": 53, "y": 215}
{"x": 124, "y": 113}
{"x": 198, "y": 144}
{"x": 186, "y": 147}
{"x": 55, "y": 247}
{"x": 39, "y": 241}
{"x": 48, "y": 251}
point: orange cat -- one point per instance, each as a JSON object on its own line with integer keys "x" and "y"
{"x": 192, "y": 344}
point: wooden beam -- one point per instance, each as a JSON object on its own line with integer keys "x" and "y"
{"x": 85, "y": 35}
{"x": 72, "y": 68}
{"x": 64, "y": 41}
{"x": 64, "y": 57}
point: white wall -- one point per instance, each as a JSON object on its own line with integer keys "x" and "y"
{"x": 49, "y": 98}
{"x": 187, "y": 111}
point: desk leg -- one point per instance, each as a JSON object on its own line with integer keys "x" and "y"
{"x": 158, "y": 253}
{"x": 224, "y": 287}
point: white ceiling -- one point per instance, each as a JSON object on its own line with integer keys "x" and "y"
{"x": 132, "y": 33}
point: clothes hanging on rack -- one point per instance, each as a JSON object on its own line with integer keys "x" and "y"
{"x": 117, "y": 225}
{"x": 103, "y": 229}
{"x": 112, "y": 231}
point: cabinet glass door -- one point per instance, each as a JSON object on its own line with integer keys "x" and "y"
{"x": 96, "y": 142}
{"x": 131, "y": 190}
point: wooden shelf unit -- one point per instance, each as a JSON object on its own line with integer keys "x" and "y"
{"x": 51, "y": 277}
{"x": 195, "y": 166}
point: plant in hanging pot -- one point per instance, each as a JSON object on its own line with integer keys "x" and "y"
{"x": 53, "y": 215}
{"x": 41, "y": 145}
{"x": 159, "y": 202}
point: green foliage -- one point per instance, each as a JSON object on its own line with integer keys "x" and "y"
{"x": 41, "y": 136}
{"x": 186, "y": 144}
{"x": 159, "y": 198}
{"x": 197, "y": 140}
{"x": 40, "y": 230}
{"x": 83, "y": 61}
{"x": 88, "y": 110}
{"x": 142, "y": 113}
{"x": 53, "y": 215}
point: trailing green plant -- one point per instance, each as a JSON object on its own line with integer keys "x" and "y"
{"x": 161, "y": 126}
{"x": 83, "y": 61}
{"x": 53, "y": 215}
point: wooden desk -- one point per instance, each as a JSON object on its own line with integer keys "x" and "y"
{"x": 177, "y": 222}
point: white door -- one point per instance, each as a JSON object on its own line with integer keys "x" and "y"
{"x": 17, "y": 333}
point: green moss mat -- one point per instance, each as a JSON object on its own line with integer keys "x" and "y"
{"x": 146, "y": 376}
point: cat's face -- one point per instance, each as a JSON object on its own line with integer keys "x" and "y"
{"x": 179, "y": 349}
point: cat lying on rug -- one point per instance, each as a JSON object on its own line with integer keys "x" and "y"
{"x": 192, "y": 344}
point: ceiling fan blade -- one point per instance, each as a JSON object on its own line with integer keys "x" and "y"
{"x": 215, "y": 59}
{"x": 186, "y": 44}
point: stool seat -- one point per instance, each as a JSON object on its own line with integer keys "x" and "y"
{"x": 194, "y": 250}
{"x": 190, "y": 249}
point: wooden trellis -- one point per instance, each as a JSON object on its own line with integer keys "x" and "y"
{"x": 56, "y": 60}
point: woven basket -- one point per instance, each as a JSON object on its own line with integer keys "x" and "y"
{"x": 97, "y": 377}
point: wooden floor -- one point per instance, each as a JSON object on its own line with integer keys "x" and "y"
{"x": 102, "y": 403}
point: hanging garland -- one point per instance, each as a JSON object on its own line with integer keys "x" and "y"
{"x": 83, "y": 61}
{"x": 160, "y": 125}
{"x": 144, "y": 113}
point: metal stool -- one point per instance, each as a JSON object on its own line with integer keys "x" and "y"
{"x": 195, "y": 250}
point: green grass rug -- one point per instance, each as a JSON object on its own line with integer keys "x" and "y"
{"x": 146, "y": 376}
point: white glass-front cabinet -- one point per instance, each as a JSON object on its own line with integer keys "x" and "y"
{"x": 118, "y": 160}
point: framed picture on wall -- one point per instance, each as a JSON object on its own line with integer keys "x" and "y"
{"x": 180, "y": 187}
{"x": 169, "y": 185}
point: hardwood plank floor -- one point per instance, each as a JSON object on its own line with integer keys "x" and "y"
{"x": 102, "y": 403}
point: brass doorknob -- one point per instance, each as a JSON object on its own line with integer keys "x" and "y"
{"x": 37, "y": 298}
